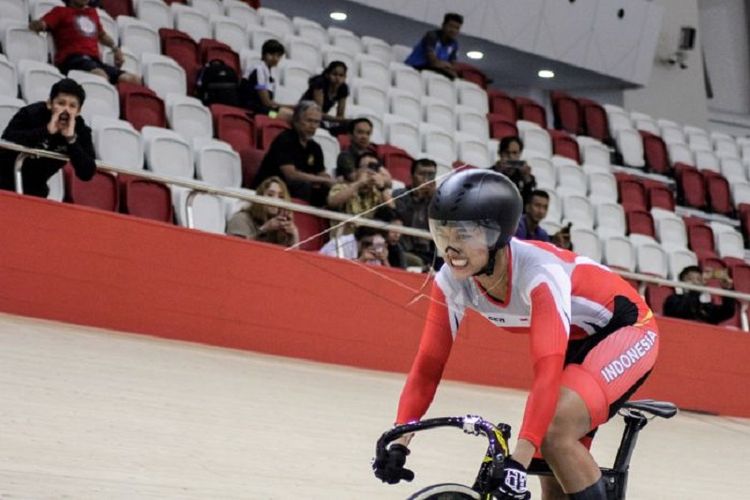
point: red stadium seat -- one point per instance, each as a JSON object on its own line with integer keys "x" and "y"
{"x": 145, "y": 198}
{"x": 503, "y": 104}
{"x": 595, "y": 120}
{"x": 530, "y": 110}
{"x": 397, "y": 161}
{"x": 640, "y": 222}
{"x": 692, "y": 187}
{"x": 267, "y": 129}
{"x": 117, "y": 7}
{"x": 741, "y": 277}
{"x": 99, "y": 192}
{"x": 211, "y": 49}
{"x": 251, "y": 159}
{"x": 141, "y": 106}
{"x": 471, "y": 73}
{"x": 656, "y": 295}
{"x": 660, "y": 197}
{"x": 567, "y": 113}
{"x": 308, "y": 226}
{"x": 701, "y": 239}
{"x": 655, "y": 153}
{"x": 233, "y": 125}
{"x": 719, "y": 194}
{"x": 565, "y": 145}
{"x": 632, "y": 194}
{"x": 183, "y": 49}
{"x": 501, "y": 127}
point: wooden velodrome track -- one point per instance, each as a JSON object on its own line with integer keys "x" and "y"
{"x": 90, "y": 414}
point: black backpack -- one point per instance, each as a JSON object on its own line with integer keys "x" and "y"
{"x": 218, "y": 83}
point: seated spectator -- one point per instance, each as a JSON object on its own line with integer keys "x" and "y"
{"x": 360, "y": 131}
{"x": 361, "y": 189}
{"x": 77, "y": 32}
{"x": 257, "y": 90}
{"x": 263, "y": 222}
{"x": 345, "y": 245}
{"x": 55, "y": 125}
{"x": 371, "y": 246}
{"x": 696, "y": 306}
{"x": 330, "y": 89}
{"x": 396, "y": 252}
{"x": 510, "y": 164}
{"x": 297, "y": 159}
{"x": 412, "y": 210}
{"x": 437, "y": 49}
{"x": 535, "y": 210}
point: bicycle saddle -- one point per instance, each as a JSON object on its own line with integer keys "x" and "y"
{"x": 662, "y": 409}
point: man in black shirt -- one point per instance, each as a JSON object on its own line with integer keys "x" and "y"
{"x": 298, "y": 159}
{"x": 688, "y": 305}
{"x": 412, "y": 210}
{"x": 55, "y": 125}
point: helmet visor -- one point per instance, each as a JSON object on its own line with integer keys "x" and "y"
{"x": 464, "y": 237}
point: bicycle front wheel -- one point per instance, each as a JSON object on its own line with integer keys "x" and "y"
{"x": 446, "y": 491}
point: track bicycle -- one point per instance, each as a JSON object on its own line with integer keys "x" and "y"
{"x": 635, "y": 413}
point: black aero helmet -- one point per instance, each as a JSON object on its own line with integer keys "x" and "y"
{"x": 481, "y": 196}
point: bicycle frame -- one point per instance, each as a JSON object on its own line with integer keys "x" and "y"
{"x": 491, "y": 469}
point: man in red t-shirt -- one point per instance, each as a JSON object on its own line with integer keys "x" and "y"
{"x": 77, "y": 32}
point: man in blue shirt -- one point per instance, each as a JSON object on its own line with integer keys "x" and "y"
{"x": 534, "y": 213}
{"x": 437, "y": 49}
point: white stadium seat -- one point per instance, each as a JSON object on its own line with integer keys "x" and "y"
{"x": 471, "y": 121}
{"x": 726, "y": 148}
{"x": 610, "y": 219}
{"x": 8, "y": 78}
{"x": 733, "y": 169}
{"x": 21, "y": 43}
{"x": 217, "y": 163}
{"x": 132, "y": 62}
{"x": 138, "y": 36}
{"x": 680, "y": 153}
{"x": 554, "y": 212}
{"x": 740, "y": 192}
{"x": 116, "y": 142}
{"x": 331, "y": 53}
{"x": 671, "y": 232}
{"x": 310, "y": 30}
{"x": 437, "y": 144}
{"x": 194, "y": 22}
{"x": 167, "y": 152}
{"x": 618, "y": 252}
{"x": 473, "y": 152}
{"x": 372, "y": 69}
{"x": 578, "y": 210}
{"x": 368, "y": 95}
{"x": 15, "y": 10}
{"x": 593, "y": 152}
{"x": 102, "y": 98}
{"x": 537, "y": 142}
{"x": 346, "y": 41}
{"x": 437, "y": 112}
{"x": 242, "y": 12}
{"x": 586, "y": 243}
{"x": 331, "y": 149}
{"x": 35, "y": 79}
{"x": 163, "y": 75}
{"x": 679, "y": 259}
{"x": 699, "y": 141}
{"x": 304, "y": 52}
{"x": 439, "y": 87}
{"x": 602, "y": 187}
{"x": 571, "y": 179}
{"x": 258, "y": 36}
{"x": 188, "y": 117}
{"x": 544, "y": 172}
{"x": 294, "y": 74}
{"x": 276, "y": 22}
{"x": 209, "y": 213}
{"x": 404, "y": 104}
{"x": 729, "y": 242}
{"x": 706, "y": 160}
{"x": 671, "y": 134}
{"x": 209, "y": 7}
{"x": 380, "y": 49}
{"x": 406, "y": 78}
{"x": 41, "y": 7}
{"x": 154, "y": 12}
{"x": 230, "y": 31}
{"x": 403, "y": 134}
{"x": 651, "y": 259}
{"x": 9, "y": 106}
{"x": 630, "y": 144}
{"x": 472, "y": 95}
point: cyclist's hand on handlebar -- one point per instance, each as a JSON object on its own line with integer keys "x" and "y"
{"x": 513, "y": 482}
{"x": 390, "y": 468}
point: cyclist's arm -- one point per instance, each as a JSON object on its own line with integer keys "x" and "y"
{"x": 427, "y": 369}
{"x": 549, "y": 337}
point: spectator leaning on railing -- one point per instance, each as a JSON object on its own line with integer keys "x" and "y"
{"x": 55, "y": 125}
{"x": 696, "y": 306}
{"x": 263, "y": 222}
{"x": 437, "y": 49}
{"x": 77, "y": 32}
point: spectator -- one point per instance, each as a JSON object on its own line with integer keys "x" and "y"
{"x": 360, "y": 131}
{"x": 412, "y": 210}
{"x": 396, "y": 252}
{"x": 361, "y": 189}
{"x": 510, "y": 164}
{"x": 535, "y": 210}
{"x": 257, "y": 90}
{"x": 330, "y": 89}
{"x": 693, "y": 305}
{"x": 437, "y": 49}
{"x": 371, "y": 246}
{"x": 77, "y": 32}
{"x": 55, "y": 126}
{"x": 297, "y": 159}
{"x": 345, "y": 245}
{"x": 263, "y": 222}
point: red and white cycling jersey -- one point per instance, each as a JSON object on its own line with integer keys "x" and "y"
{"x": 556, "y": 296}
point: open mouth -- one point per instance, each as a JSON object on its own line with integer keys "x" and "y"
{"x": 458, "y": 263}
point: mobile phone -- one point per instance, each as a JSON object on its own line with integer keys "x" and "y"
{"x": 515, "y": 163}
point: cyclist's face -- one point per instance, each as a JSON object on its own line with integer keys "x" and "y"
{"x": 464, "y": 248}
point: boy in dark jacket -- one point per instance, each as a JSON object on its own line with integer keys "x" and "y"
{"x": 55, "y": 126}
